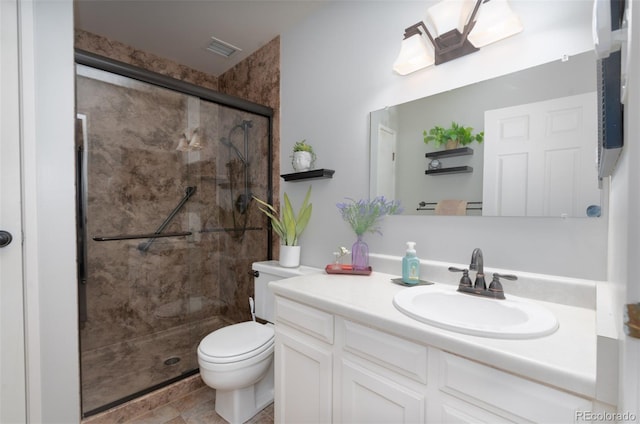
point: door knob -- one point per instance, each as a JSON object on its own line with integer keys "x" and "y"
{"x": 5, "y": 238}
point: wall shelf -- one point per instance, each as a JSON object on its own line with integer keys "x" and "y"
{"x": 309, "y": 175}
{"x": 462, "y": 151}
{"x": 452, "y": 170}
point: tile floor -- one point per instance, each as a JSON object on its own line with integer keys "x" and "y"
{"x": 188, "y": 401}
{"x": 195, "y": 408}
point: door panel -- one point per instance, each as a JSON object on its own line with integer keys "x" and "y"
{"x": 12, "y": 362}
{"x": 540, "y": 158}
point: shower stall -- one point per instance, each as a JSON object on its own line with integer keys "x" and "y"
{"x": 167, "y": 228}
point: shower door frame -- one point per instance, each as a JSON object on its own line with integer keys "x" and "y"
{"x": 123, "y": 69}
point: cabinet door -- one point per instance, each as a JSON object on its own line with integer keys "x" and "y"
{"x": 367, "y": 397}
{"x": 303, "y": 378}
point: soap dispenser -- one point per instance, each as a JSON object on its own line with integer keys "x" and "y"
{"x": 410, "y": 265}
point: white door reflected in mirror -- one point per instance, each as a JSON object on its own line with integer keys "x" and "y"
{"x": 540, "y": 160}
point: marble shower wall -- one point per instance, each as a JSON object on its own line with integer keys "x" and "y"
{"x": 257, "y": 78}
{"x": 123, "y": 53}
{"x": 146, "y": 307}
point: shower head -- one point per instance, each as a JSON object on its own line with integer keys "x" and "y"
{"x": 244, "y": 126}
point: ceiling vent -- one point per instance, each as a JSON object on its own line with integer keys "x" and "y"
{"x": 222, "y": 48}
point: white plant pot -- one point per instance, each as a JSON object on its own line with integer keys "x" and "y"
{"x": 289, "y": 256}
{"x": 302, "y": 161}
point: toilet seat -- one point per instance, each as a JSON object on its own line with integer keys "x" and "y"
{"x": 236, "y": 342}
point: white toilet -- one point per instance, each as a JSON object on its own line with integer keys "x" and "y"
{"x": 237, "y": 360}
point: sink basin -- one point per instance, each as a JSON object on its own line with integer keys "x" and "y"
{"x": 511, "y": 318}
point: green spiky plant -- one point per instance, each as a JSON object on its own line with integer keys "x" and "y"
{"x": 287, "y": 225}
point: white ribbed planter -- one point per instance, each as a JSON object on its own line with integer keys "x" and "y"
{"x": 302, "y": 161}
{"x": 289, "y": 256}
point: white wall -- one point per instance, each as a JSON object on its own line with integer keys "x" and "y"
{"x": 624, "y": 234}
{"x": 48, "y": 168}
{"x": 336, "y": 68}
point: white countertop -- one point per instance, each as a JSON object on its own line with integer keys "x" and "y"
{"x": 565, "y": 359}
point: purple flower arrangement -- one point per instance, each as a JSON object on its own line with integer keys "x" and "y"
{"x": 365, "y": 215}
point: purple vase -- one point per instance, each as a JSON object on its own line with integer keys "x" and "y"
{"x": 360, "y": 255}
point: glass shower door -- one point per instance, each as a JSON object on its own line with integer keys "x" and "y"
{"x": 168, "y": 229}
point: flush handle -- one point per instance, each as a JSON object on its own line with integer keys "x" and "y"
{"x": 254, "y": 274}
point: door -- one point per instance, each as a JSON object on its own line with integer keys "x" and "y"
{"x": 12, "y": 350}
{"x": 386, "y": 164}
{"x": 539, "y": 158}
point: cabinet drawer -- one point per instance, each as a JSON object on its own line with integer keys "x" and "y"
{"x": 304, "y": 318}
{"x": 481, "y": 384}
{"x": 399, "y": 355}
{"x": 454, "y": 410}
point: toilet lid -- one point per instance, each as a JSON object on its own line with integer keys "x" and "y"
{"x": 236, "y": 341}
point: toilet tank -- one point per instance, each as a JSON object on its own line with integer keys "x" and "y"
{"x": 271, "y": 271}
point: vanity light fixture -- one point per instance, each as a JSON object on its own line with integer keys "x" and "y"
{"x": 475, "y": 23}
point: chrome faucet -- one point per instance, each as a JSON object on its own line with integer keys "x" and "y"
{"x": 480, "y": 286}
{"x": 477, "y": 264}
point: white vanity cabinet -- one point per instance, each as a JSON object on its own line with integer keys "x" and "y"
{"x": 303, "y": 364}
{"x": 378, "y": 377}
{"x": 333, "y": 369}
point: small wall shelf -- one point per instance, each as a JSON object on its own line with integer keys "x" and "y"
{"x": 309, "y": 175}
{"x": 452, "y": 170}
{"x": 462, "y": 151}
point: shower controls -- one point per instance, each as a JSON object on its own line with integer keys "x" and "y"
{"x": 5, "y": 238}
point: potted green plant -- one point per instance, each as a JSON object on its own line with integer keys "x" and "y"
{"x": 303, "y": 156}
{"x": 288, "y": 226}
{"x": 452, "y": 137}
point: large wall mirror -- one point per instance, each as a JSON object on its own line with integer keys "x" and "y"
{"x": 538, "y": 157}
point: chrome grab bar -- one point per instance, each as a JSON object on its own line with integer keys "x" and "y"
{"x": 143, "y": 247}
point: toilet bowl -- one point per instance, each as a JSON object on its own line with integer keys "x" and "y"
{"x": 232, "y": 360}
{"x": 237, "y": 360}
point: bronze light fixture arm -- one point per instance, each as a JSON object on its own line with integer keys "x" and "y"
{"x": 452, "y": 44}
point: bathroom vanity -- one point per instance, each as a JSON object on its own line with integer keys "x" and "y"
{"x": 344, "y": 353}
